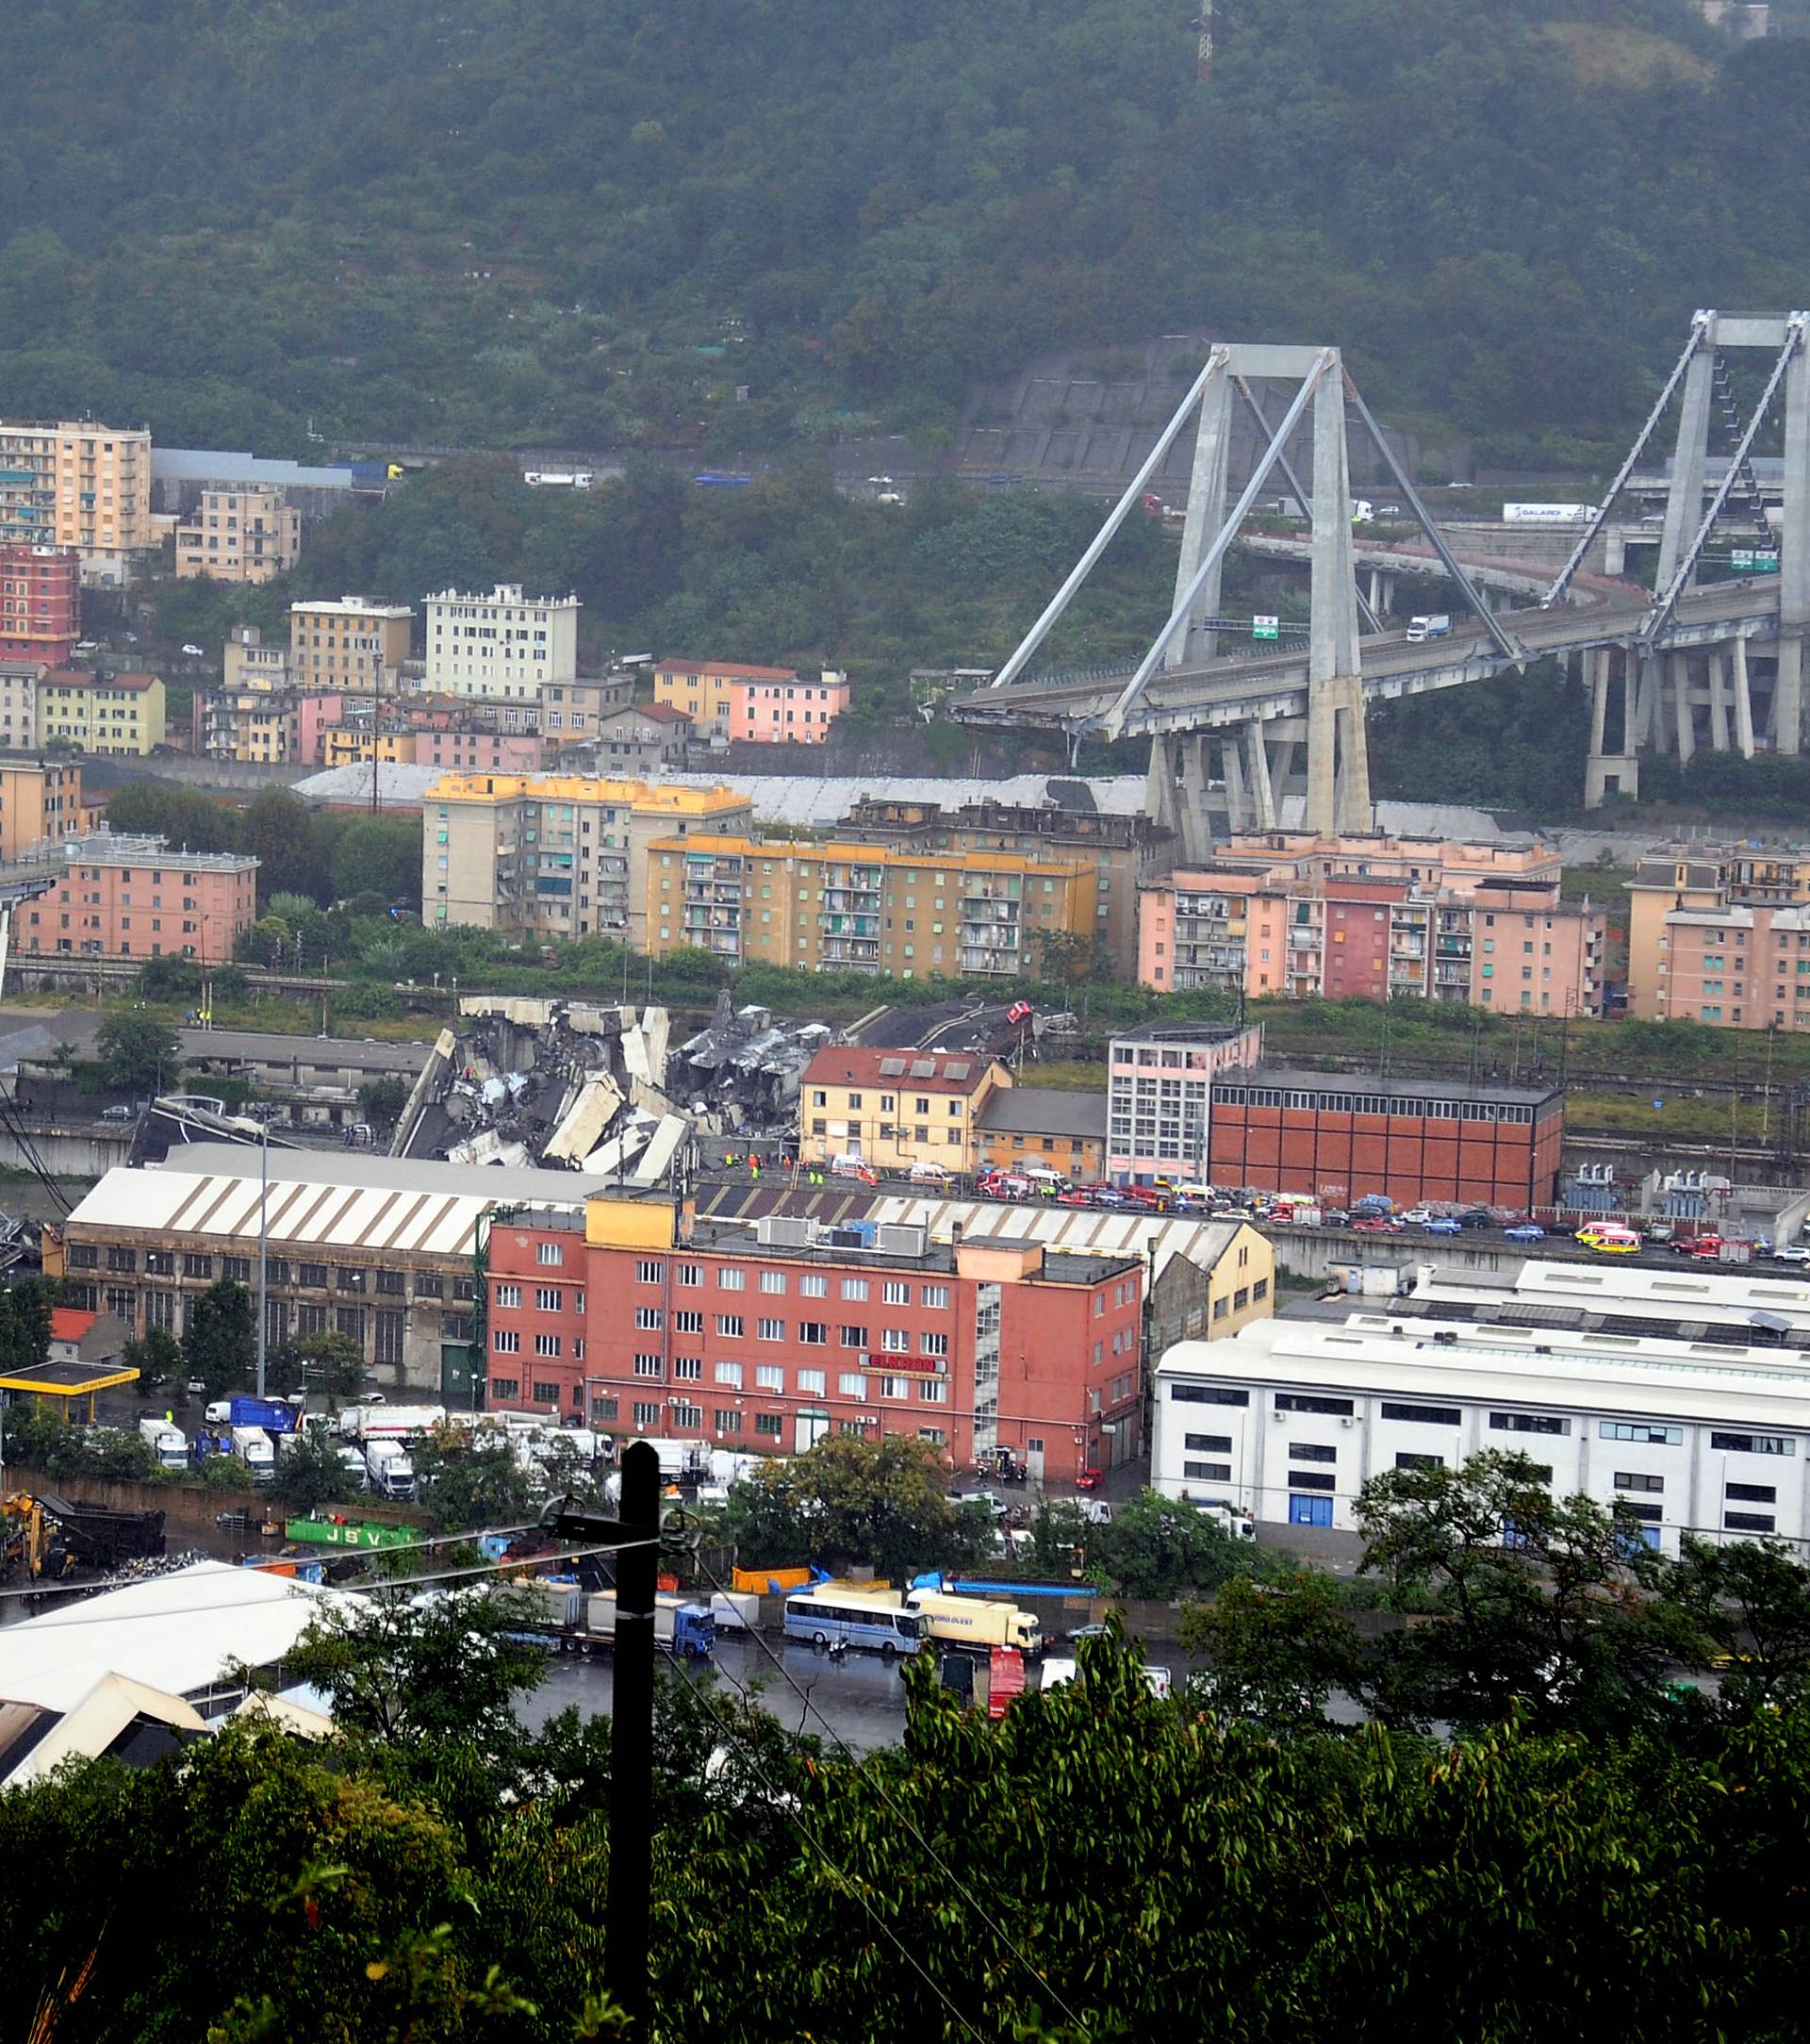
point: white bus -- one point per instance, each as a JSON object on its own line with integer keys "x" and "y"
{"x": 877, "y": 1622}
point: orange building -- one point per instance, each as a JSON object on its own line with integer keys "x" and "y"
{"x": 1720, "y": 936}
{"x": 1337, "y": 1137}
{"x": 41, "y": 803}
{"x": 137, "y": 898}
{"x": 40, "y": 604}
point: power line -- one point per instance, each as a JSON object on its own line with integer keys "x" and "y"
{"x": 955, "y": 1881}
{"x": 847, "y": 1881}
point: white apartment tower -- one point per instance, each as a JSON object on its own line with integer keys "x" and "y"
{"x": 503, "y": 647}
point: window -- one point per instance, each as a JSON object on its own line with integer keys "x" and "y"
{"x": 691, "y": 1274}
{"x": 854, "y": 1337}
{"x": 1222, "y": 1444}
{"x": 936, "y": 1346}
{"x": 770, "y": 1376}
{"x": 687, "y": 1369}
{"x": 732, "y": 1277}
{"x": 854, "y": 1288}
{"x": 895, "y": 1293}
{"x": 813, "y": 1285}
{"x": 311, "y": 1274}
{"x": 935, "y": 1296}
{"x": 1419, "y": 1461}
{"x": 769, "y": 1422}
{"x": 1629, "y": 1479}
{"x": 895, "y": 1341}
{"x": 1752, "y": 1443}
{"x": 505, "y": 1341}
{"x": 1288, "y": 1401}
{"x": 1306, "y": 1480}
{"x": 1207, "y": 1394}
{"x": 852, "y": 1384}
{"x": 647, "y": 1366}
{"x": 549, "y": 1252}
{"x": 647, "y": 1417}
{"x": 650, "y": 1319}
{"x": 1424, "y": 1415}
{"x": 237, "y": 1268}
{"x": 1653, "y": 1437}
{"x": 812, "y": 1382}
{"x": 814, "y": 1333}
{"x": 730, "y": 1374}
{"x": 1753, "y": 1493}
{"x": 546, "y": 1345}
{"x": 392, "y": 1283}
{"x": 648, "y": 1271}
{"x": 1302, "y": 1451}
{"x": 192, "y": 1266}
{"x": 1208, "y": 1472}
{"x": 428, "y": 1285}
{"x": 348, "y": 1281}
{"x": 545, "y": 1299}
{"x": 933, "y": 1391}
{"x": 1748, "y": 1522}
{"x": 686, "y": 1319}
{"x": 772, "y": 1280}
{"x": 508, "y": 1296}
{"x": 505, "y": 1387}
{"x": 770, "y": 1330}
{"x": 731, "y": 1325}
{"x": 1528, "y": 1423}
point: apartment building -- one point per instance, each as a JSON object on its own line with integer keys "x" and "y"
{"x": 895, "y": 1108}
{"x": 1056, "y": 1128}
{"x": 1721, "y": 936}
{"x": 19, "y": 681}
{"x": 573, "y": 712}
{"x": 97, "y": 710}
{"x": 632, "y": 740}
{"x": 137, "y": 898}
{"x": 41, "y": 803}
{"x": 769, "y": 1337}
{"x": 456, "y": 750}
{"x": 359, "y": 745}
{"x": 865, "y": 908}
{"x": 251, "y": 724}
{"x": 74, "y": 484}
{"x": 238, "y": 533}
{"x": 247, "y": 663}
{"x": 1157, "y": 1092}
{"x": 1431, "y": 920}
{"x": 1698, "y": 1430}
{"x": 350, "y": 646}
{"x": 506, "y": 645}
{"x": 705, "y": 689}
{"x": 40, "y": 604}
{"x": 557, "y": 855}
{"x": 789, "y": 712}
{"x": 1122, "y": 849}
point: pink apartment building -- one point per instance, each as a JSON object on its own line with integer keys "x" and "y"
{"x": 480, "y": 751}
{"x": 315, "y": 716}
{"x": 780, "y": 709}
{"x": 137, "y": 898}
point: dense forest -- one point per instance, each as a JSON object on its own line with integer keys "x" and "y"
{"x": 594, "y": 222}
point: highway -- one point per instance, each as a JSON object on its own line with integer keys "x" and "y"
{"x": 1237, "y": 689}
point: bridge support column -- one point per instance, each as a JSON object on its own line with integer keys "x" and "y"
{"x": 1338, "y": 760}
{"x": 1788, "y": 694}
{"x": 1715, "y": 667}
{"x": 1388, "y": 597}
{"x": 1205, "y": 515}
{"x": 1262, "y": 788}
{"x": 1376, "y": 602}
{"x": 1178, "y": 796}
{"x": 1685, "y": 498}
{"x": 1238, "y": 816}
{"x": 1743, "y": 699}
{"x": 1680, "y": 695}
{"x": 1607, "y": 774}
{"x": 1794, "y": 558}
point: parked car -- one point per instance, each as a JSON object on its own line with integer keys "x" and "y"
{"x": 1417, "y": 1216}
{"x": 1089, "y": 1479}
{"x": 1441, "y": 1225}
{"x": 1335, "y": 1217}
{"x": 1106, "y": 1195}
{"x": 116, "y": 1113}
{"x": 1792, "y": 1252}
{"x": 195, "y": 651}
{"x": 1528, "y": 1232}
{"x": 1373, "y": 1223}
{"x": 1476, "y": 1217}
{"x": 1076, "y": 1196}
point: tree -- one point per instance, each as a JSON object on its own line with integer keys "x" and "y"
{"x": 1279, "y": 1649}
{"x": 1158, "y": 1546}
{"x": 25, "y": 1324}
{"x": 852, "y": 1500}
{"x": 464, "y": 1486}
{"x": 330, "y": 1363}
{"x": 1548, "y": 1601}
{"x": 444, "y": 1667}
{"x": 1751, "y": 1601}
{"x": 138, "y": 1053}
{"x": 279, "y": 829}
{"x": 156, "y": 1356}
{"x": 221, "y": 1343}
{"x": 382, "y": 1100}
{"x": 312, "y": 1474}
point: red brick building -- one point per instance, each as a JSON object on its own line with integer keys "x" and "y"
{"x": 1340, "y": 1135}
{"x": 40, "y": 604}
{"x": 768, "y": 1338}
{"x": 1357, "y": 934}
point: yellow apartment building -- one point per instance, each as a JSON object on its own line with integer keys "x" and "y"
{"x": 239, "y": 534}
{"x": 895, "y": 1108}
{"x": 349, "y": 645}
{"x": 866, "y": 908}
{"x": 40, "y": 802}
{"x": 247, "y": 663}
{"x": 556, "y": 854}
{"x": 357, "y": 744}
{"x": 97, "y": 712}
{"x": 74, "y": 484}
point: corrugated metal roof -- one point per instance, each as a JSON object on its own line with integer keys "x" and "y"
{"x": 1067, "y": 1231}
{"x": 325, "y": 1200}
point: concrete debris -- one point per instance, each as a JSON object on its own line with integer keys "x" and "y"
{"x": 597, "y": 1105}
{"x": 741, "y": 1075}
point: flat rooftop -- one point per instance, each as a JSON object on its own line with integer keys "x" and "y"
{"x": 1292, "y": 1081}
{"x": 735, "y": 1238}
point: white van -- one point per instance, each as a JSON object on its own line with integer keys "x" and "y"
{"x": 926, "y": 1173}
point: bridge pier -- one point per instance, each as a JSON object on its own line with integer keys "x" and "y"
{"x": 1743, "y": 698}
{"x": 1715, "y": 663}
{"x": 1609, "y": 773}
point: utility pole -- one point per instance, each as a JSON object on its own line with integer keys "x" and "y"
{"x": 263, "y": 1253}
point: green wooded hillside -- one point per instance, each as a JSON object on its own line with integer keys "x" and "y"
{"x": 587, "y": 222}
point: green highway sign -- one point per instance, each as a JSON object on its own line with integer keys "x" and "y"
{"x": 1754, "y": 561}
{"x": 1266, "y": 628}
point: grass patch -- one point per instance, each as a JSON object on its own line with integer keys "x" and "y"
{"x": 1634, "y": 57}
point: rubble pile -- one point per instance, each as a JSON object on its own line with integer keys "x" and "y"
{"x": 741, "y": 1075}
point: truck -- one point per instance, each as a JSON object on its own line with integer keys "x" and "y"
{"x": 389, "y": 1421}
{"x": 561, "y": 479}
{"x": 681, "y": 1460}
{"x": 389, "y": 1470}
{"x": 976, "y": 1624}
{"x": 576, "y": 1623}
{"x": 168, "y": 1444}
{"x": 1434, "y": 624}
{"x": 252, "y": 1446}
{"x": 335, "y": 1530}
{"x": 274, "y": 1415}
{"x": 1548, "y": 514}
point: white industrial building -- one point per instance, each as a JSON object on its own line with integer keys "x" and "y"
{"x": 501, "y": 647}
{"x": 1693, "y": 1411}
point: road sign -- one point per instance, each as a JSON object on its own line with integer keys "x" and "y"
{"x": 1266, "y": 628}
{"x": 1756, "y": 561}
